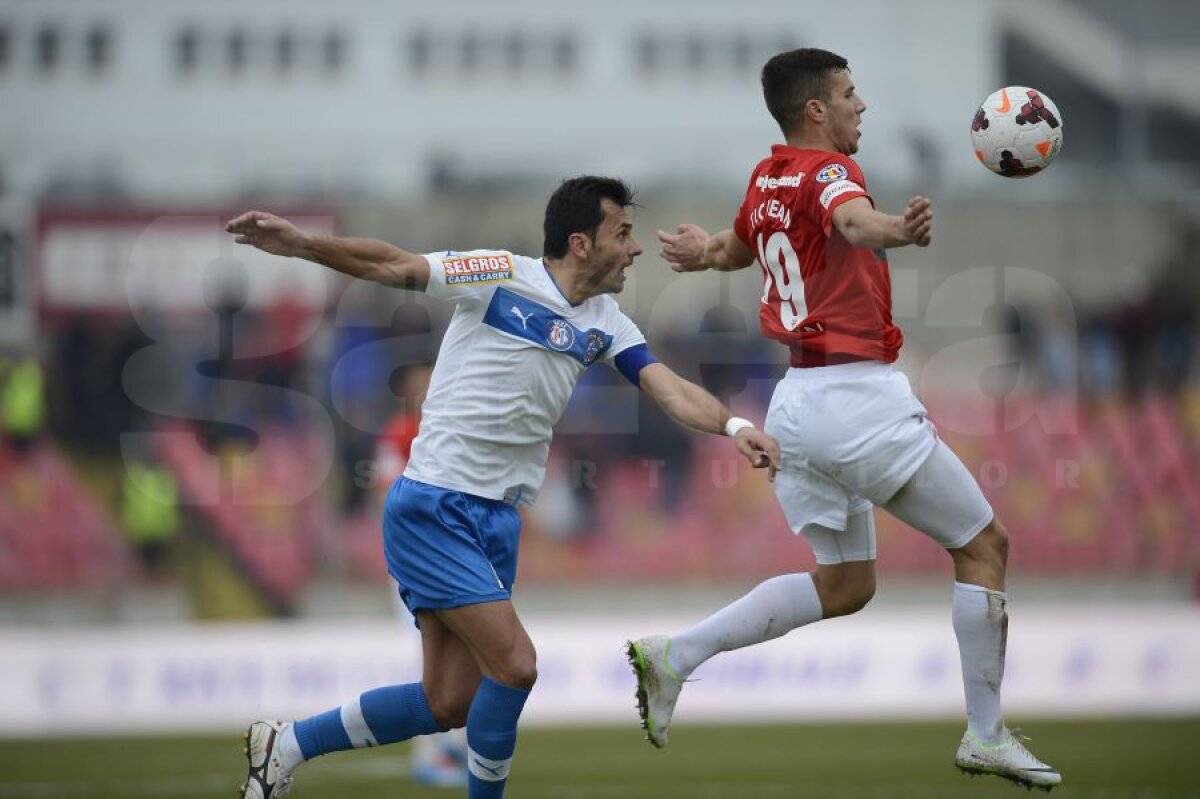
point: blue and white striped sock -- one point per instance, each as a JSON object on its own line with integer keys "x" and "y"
{"x": 492, "y": 737}
{"x": 380, "y": 716}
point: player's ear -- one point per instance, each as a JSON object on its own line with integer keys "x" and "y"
{"x": 579, "y": 245}
{"x": 814, "y": 109}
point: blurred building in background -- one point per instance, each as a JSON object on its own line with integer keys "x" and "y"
{"x": 1052, "y": 327}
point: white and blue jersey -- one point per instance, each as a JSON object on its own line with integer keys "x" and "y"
{"x": 508, "y": 364}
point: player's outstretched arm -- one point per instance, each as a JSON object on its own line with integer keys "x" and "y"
{"x": 692, "y": 406}
{"x": 691, "y": 249}
{"x": 863, "y": 226}
{"x": 368, "y": 259}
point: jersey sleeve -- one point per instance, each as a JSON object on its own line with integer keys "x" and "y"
{"x": 839, "y": 180}
{"x": 625, "y": 333}
{"x": 741, "y": 222}
{"x": 469, "y": 276}
{"x": 628, "y": 353}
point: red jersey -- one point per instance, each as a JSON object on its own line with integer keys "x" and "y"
{"x": 828, "y": 301}
{"x": 395, "y": 444}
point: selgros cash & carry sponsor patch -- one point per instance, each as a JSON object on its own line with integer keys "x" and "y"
{"x": 478, "y": 268}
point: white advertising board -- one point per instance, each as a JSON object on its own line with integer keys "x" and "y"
{"x": 897, "y": 665}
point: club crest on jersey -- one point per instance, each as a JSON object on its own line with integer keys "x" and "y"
{"x": 832, "y": 173}
{"x": 561, "y": 336}
{"x": 595, "y": 345}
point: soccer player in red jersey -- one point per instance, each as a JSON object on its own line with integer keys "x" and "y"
{"x": 852, "y": 434}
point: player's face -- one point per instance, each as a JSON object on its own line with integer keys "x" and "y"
{"x": 614, "y": 249}
{"x": 844, "y": 109}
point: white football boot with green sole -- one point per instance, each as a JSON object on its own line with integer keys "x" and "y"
{"x": 658, "y": 685}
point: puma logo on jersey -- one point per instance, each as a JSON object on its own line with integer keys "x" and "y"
{"x": 523, "y": 317}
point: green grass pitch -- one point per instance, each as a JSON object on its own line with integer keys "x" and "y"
{"x": 1100, "y": 759}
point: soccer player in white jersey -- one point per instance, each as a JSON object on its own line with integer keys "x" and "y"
{"x": 523, "y": 331}
{"x": 853, "y": 435}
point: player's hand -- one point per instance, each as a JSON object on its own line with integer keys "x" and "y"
{"x": 918, "y": 221}
{"x": 267, "y": 232}
{"x": 684, "y": 249}
{"x": 759, "y": 448}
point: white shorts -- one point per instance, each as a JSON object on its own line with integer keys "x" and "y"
{"x": 851, "y": 437}
{"x": 941, "y": 500}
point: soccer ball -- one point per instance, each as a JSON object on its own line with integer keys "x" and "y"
{"x": 1017, "y": 132}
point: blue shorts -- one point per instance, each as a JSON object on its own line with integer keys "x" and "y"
{"x": 447, "y": 549}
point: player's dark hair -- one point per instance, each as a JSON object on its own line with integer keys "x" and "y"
{"x": 791, "y": 79}
{"x": 574, "y": 207}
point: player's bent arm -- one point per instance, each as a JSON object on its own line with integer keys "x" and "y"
{"x": 684, "y": 401}
{"x": 863, "y": 226}
{"x": 368, "y": 259}
{"x": 692, "y": 406}
{"x": 691, "y": 249}
{"x": 725, "y": 252}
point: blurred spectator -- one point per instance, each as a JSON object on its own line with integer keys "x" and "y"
{"x": 23, "y": 402}
{"x": 395, "y": 442}
{"x": 1100, "y": 357}
{"x": 281, "y": 333}
{"x": 89, "y": 405}
{"x": 437, "y": 760}
{"x": 664, "y": 445}
{"x": 150, "y": 514}
{"x": 1174, "y": 344}
{"x": 1144, "y": 342}
{"x": 365, "y": 357}
{"x": 1021, "y": 328}
{"x": 1134, "y": 321}
{"x": 725, "y": 368}
{"x": 225, "y": 411}
{"x": 588, "y": 440}
{"x": 8, "y": 268}
{"x": 71, "y": 398}
{"x": 355, "y": 377}
{"x": 124, "y": 414}
{"x": 1059, "y": 361}
{"x": 560, "y": 514}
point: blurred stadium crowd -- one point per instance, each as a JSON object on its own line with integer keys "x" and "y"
{"x": 239, "y": 447}
{"x": 1109, "y": 490}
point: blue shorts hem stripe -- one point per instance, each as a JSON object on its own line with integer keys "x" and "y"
{"x": 420, "y": 603}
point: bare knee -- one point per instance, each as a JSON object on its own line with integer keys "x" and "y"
{"x": 847, "y": 601}
{"x": 998, "y": 541}
{"x": 844, "y": 592}
{"x": 449, "y": 705}
{"x": 990, "y": 547}
{"x": 516, "y": 668}
{"x": 984, "y": 559}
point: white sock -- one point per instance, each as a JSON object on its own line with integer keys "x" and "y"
{"x": 773, "y": 608}
{"x": 981, "y": 626}
{"x": 289, "y": 749}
